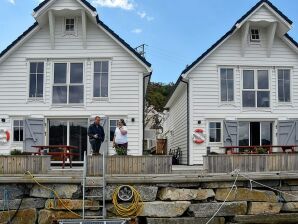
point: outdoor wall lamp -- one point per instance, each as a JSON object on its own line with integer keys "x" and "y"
{"x": 133, "y": 119}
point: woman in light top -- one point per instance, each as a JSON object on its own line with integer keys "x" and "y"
{"x": 120, "y": 136}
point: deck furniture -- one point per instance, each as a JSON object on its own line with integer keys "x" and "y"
{"x": 253, "y": 149}
{"x": 64, "y": 151}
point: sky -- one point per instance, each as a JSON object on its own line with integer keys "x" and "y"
{"x": 175, "y": 32}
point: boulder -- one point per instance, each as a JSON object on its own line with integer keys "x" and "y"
{"x": 245, "y": 194}
{"x": 185, "y": 220}
{"x": 70, "y": 204}
{"x": 12, "y": 191}
{"x": 223, "y": 184}
{"x": 255, "y": 208}
{"x": 26, "y": 216}
{"x": 25, "y": 203}
{"x": 63, "y": 190}
{"x": 281, "y": 218}
{"x": 209, "y": 209}
{"x": 48, "y": 216}
{"x": 290, "y": 207}
{"x": 289, "y": 196}
{"x": 164, "y": 209}
{"x": 176, "y": 194}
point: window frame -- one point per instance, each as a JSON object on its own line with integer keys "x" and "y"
{"x": 70, "y": 32}
{"x": 221, "y": 131}
{"x": 219, "y": 78}
{"x": 112, "y": 119}
{"x": 291, "y": 86}
{"x": 256, "y": 88}
{"x": 13, "y": 127}
{"x": 68, "y": 84}
{"x": 109, "y": 80}
{"x": 36, "y": 99}
{"x": 251, "y": 40}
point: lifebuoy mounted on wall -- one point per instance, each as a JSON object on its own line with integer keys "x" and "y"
{"x": 198, "y": 136}
{"x": 4, "y": 136}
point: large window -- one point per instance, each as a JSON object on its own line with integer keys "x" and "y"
{"x": 214, "y": 131}
{"x": 18, "y": 130}
{"x": 113, "y": 125}
{"x": 284, "y": 85}
{"x": 101, "y": 79}
{"x": 68, "y": 87}
{"x": 255, "y": 91}
{"x": 36, "y": 79}
{"x": 227, "y": 84}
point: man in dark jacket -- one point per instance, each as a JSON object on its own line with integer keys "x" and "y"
{"x": 96, "y": 135}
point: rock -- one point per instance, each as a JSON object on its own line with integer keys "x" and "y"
{"x": 26, "y": 216}
{"x": 63, "y": 190}
{"x": 255, "y": 208}
{"x": 223, "y": 184}
{"x": 71, "y": 204}
{"x": 289, "y": 198}
{"x": 25, "y": 203}
{"x": 48, "y": 216}
{"x": 13, "y": 191}
{"x": 185, "y": 220}
{"x": 290, "y": 207}
{"x": 291, "y": 182}
{"x": 148, "y": 192}
{"x": 208, "y": 209}
{"x": 281, "y": 218}
{"x": 270, "y": 183}
{"x": 245, "y": 194}
{"x": 164, "y": 209}
{"x": 176, "y": 194}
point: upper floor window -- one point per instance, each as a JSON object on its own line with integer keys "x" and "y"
{"x": 214, "y": 131}
{"x": 69, "y": 24}
{"x": 254, "y": 35}
{"x": 18, "y": 130}
{"x": 284, "y": 85}
{"x": 255, "y": 91}
{"x": 226, "y": 84}
{"x": 101, "y": 79}
{"x": 68, "y": 86}
{"x": 36, "y": 79}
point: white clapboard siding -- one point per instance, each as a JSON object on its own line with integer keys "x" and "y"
{"x": 263, "y": 14}
{"x": 126, "y": 76}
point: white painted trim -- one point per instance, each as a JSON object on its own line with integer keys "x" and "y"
{"x": 52, "y": 28}
{"x": 244, "y": 38}
{"x": 141, "y": 112}
{"x": 84, "y": 28}
{"x": 191, "y": 127}
{"x": 220, "y": 143}
{"x": 271, "y": 34}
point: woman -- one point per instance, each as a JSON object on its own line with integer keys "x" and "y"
{"x": 120, "y": 137}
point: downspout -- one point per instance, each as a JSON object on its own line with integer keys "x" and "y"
{"x": 187, "y": 117}
{"x": 144, "y": 103}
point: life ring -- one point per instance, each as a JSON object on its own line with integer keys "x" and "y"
{"x": 7, "y": 136}
{"x": 198, "y": 136}
{"x": 4, "y": 136}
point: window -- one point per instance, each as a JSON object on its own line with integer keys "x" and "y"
{"x": 215, "y": 132}
{"x": 36, "y": 79}
{"x": 256, "y": 92}
{"x": 69, "y": 24}
{"x": 101, "y": 79}
{"x": 68, "y": 87}
{"x": 18, "y": 130}
{"x": 113, "y": 125}
{"x": 284, "y": 85}
{"x": 227, "y": 84}
{"x": 254, "y": 35}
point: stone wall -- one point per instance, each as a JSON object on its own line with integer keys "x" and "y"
{"x": 163, "y": 203}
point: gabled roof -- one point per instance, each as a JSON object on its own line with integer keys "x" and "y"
{"x": 224, "y": 37}
{"x": 99, "y": 22}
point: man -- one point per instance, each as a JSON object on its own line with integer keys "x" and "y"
{"x": 96, "y": 135}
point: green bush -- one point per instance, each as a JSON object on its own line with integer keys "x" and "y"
{"x": 121, "y": 151}
{"x": 17, "y": 152}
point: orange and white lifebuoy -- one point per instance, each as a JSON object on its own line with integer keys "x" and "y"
{"x": 198, "y": 136}
{"x": 4, "y": 136}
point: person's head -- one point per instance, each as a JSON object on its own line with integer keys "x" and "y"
{"x": 121, "y": 122}
{"x": 97, "y": 120}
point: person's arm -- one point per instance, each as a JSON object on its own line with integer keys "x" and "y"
{"x": 90, "y": 134}
{"x": 123, "y": 130}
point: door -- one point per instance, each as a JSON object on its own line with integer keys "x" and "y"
{"x": 33, "y": 133}
{"x": 230, "y": 133}
{"x": 287, "y": 132}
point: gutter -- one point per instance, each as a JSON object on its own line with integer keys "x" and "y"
{"x": 187, "y": 117}
{"x": 144, "y": 102}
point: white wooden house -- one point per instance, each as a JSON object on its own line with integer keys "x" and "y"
{"x": 242, "y": 91}
{"x": 64, "y": 70}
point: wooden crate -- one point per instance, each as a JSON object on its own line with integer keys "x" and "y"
{"x": 19, "y": 164}
{"x": 251, "y": 162}
{"x": 130, "y": 165}
{"x": 161, "y": 146}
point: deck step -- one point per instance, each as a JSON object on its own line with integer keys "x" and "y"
{"x": 94, "y": 181}
{"x": 95, "y": 186}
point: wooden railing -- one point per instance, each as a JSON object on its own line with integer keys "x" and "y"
{"x": 19, "y": 164}
{"x": 130, "y": 165}
{"x": 251, "y": 162}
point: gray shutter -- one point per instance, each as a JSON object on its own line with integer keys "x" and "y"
{"x": 287, "y": 132}
{"x": 230, "y": 133}
{"x": 33, "y": 133}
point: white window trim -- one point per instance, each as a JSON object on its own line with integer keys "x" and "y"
{"x": 221, "y": 133}
{"x": 219, "y": 87}
{"x": 70, "y": 33}
{"x": 112, "y": 119}
{"x": 68, "y": 62}
{"x": 98, "y": 99}
{"x": 12, "y": 129}
{"x": 254, "y": 42}
{"x": 36, "y": 99}
{"x": 290, "y": 103}
{"x": 269, "y": 109}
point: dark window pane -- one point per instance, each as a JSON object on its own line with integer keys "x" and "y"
{"x": 59, "y": 94}
{"x": 105, "y": 66}
{"x": 76, "y": 73}
{"x": 40, "y": 67}
{"x": 76, "y": 94}
{"x": 212, "y": 135}
{"x": 263, "y": 81}
{"x": 248, "y": 79}
{"x": 281, "y": 93}
{"x": 243, "y": 133}
{"x": 60, "y": 72}
{"x": 218, "y": 135}
{"x": 78, "y": 137}
{"x": 39, "y": 91}
{"x": 16, "y": 123}
{"x": 287, "y": 91}
{"x": 263, "y": 98}
{"x": 212, "y": 125}
{"x": 113, "y": 123}
{"x": 223, "y": 90}
{"x": 33, "y": 66}
{"x": 57, "y": 132}
{"x": 218, "y": 125}
{"x": 230, "y": 74}
{"x": 32, "y": 88}
{"x": 230, "y": 90}
{"x": 255, "y": 133}
{"x": 21, "y": 123}
{"x": 248, "y": 98}
{"x": 96, "y": 85}
{"x": 16, "y": 134}
{"x": 266, "y": 133}
{"x": 97, "y": 66}
{"x": 104, "y": 85}
{"x": 21, "y": 134}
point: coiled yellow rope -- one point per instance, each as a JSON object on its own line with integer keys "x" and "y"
{"x": 55, "y": 193}
{"x": 131, "y": 210}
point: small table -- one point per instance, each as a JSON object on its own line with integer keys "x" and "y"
{"x": 66, "y": 152}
